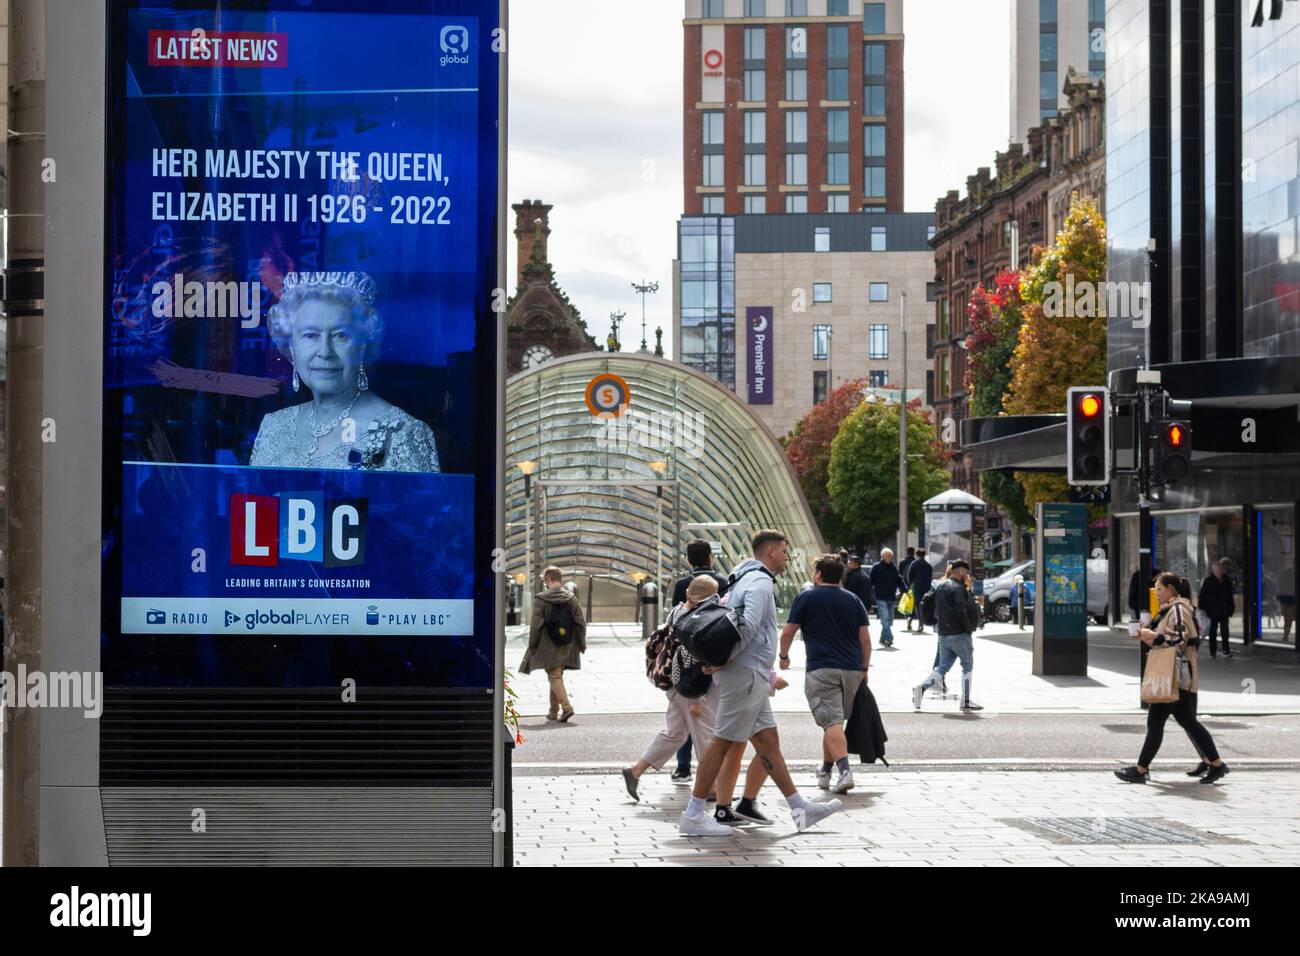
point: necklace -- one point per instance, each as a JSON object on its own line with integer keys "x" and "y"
{"x": 319, "y": 432}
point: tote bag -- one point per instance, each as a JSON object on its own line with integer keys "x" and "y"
{"x": 1160, "y": 679}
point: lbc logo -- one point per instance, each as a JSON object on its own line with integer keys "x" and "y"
{"x": 298, "y": 526}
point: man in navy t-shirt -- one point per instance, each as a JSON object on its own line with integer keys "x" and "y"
{"x": 837, "y": 642}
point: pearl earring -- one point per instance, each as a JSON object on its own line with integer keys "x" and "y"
{"x": 363, "y": 380}
{"x": 297, "y": 383}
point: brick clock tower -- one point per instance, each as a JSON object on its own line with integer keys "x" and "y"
{"x": 541, "y": 322}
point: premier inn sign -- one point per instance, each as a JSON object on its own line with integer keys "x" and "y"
{"x": 759, "y": 351}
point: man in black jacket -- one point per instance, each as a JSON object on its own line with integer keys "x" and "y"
{"x": 958, "y": 617}
{"x": 919, "y": 578}
{"x": 856, "y": 580}
{"x": 886, "y": 584}
{"x": 1216, "y": 600}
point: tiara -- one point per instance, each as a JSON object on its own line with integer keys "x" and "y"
{"x": 358, "y": 282}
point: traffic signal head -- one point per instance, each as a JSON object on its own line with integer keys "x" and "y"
{"x": 1173, "y": 450}
{"x": 1087, "y": 413}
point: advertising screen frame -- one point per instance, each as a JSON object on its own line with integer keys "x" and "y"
{"x": 172, "y": 659}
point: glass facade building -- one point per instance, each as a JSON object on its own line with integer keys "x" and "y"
{"x": 706, "y": 251}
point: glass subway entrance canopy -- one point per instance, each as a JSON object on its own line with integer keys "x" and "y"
{"x": 615, "y": 498}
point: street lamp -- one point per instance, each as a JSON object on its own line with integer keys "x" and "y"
{"x": 527, "y": 469}
{"x": 659, "y": 467}
{"x": 644, "y": 288}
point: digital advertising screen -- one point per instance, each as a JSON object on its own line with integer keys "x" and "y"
{"x": 300, "y": 376}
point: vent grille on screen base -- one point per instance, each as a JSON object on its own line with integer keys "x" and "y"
{"x": 296, "y": 738}
{"x": 298, "y": 826}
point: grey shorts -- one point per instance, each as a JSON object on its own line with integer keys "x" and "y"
{"x": 744, "y": 704}
{"x": 830, "y": 694}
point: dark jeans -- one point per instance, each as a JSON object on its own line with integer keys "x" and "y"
{"x": 1215, "y": 624}
{"x": 1185, "y": 713}
{"x": 684, "y": 755}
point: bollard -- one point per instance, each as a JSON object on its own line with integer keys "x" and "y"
{"x": 1020, "y": 602}
{"x": 649, "y": 609}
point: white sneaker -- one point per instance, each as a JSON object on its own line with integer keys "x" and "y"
{"x": 703, "y": 825}
{"x": 814, "y": 813}
{"x": 824, "y": 779}
{"x": 918, "y": 692}
{"x": 844, "y": 784}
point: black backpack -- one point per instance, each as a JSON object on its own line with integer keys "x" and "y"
{"x": 710, "y": 631}
{"x": 559, "y": 626}
{"x": 688, "y": 677}
{"x": 929, "y": 615}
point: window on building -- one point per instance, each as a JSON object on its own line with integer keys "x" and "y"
{"x": 837, "y": 126}
{"x": 873, "y": 59}
{"x": 713, "y": 205}
{"x": 837, "y": 83}
{"x": 755, "y": 8}
{"x": 837, "y": 41}
{"x": 878, "y": 292}
{"x": 837, "y": 8}
{"x": 878, "y": 377}
{"x": 712, "y": 127}
{"x": 929, "y": 233}
{"x": 879, "y": 341}
{"x": 713, "y": 170}
{"x": 755, "y": 85}
{"x": 822, "y": 239}
{"x": 1046, "y": 11}
{"x": 820, "y": 380}
{"x": 796, "y": 126}
{"x": 873, "y": 182}
{"x": 755, "y": 127}
{"x": 942, "y": 376}
{"x": 755, "y": 169}
{"x": 821, "y": 342}
{"x": 873, "y": 139}
{"x": 756, "y": 204}
{"x": 1047, "y": 85}
{"x": 941, "y": 333}
{"x": 837, "y": 202}
{"x": 796, "y": 84}
{"x": 837, "y": 169}
{"x": 821, "y": 291}
{"x": 796, "y": 8}
{"x": 796, "y": 169}
{"x": 713, "y": 8}
{"x": 873, "y": 18}
{"x": 796, "y": 202}
{"x": 755, "y": 43}
{"x": 873, "y": 100}
{"x": 1096, "y": 11}
{"x": 796, "y": 43}
{"x": 878, "y": 239}
{"x": 1047, "y": 49}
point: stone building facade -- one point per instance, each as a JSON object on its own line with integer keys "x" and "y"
{"x": 541, "y": 322}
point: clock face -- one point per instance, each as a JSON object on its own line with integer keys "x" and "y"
{"x": 536, "y": 355}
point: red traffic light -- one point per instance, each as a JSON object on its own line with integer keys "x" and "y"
{"x": 1090, "y": 406}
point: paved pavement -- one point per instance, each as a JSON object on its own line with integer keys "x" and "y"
{"x": 930, "y": 818}
{"x": 1027, "y": 782}
{"x": 612, "y": 678}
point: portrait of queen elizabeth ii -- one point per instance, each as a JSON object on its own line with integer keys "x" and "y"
{"x": 327, "y": 326}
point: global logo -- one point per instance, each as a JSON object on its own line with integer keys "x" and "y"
{"x": 231, "y": 618}
{"x": 454, "y": 41}
{"x": 759, "y": 323}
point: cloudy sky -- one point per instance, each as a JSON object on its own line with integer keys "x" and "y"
{"x": 596, "y": 130}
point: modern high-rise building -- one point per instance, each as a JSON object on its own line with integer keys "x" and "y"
{"x": 1048, "y": 37}
{"x": 793, "y": 106}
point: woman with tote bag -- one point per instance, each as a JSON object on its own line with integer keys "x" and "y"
{"x": 1169, "y": 683}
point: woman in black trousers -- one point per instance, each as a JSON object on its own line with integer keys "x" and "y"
{"x": 1174, "y": 625}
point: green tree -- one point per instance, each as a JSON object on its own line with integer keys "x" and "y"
{"x": 994, "y": 317}
{"x": 1063, "y": 338}
{"x": 808, "y": 447}
{"x": 863, "y": 471}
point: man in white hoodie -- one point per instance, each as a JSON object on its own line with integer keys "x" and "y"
{"x": 744, "y": 685}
